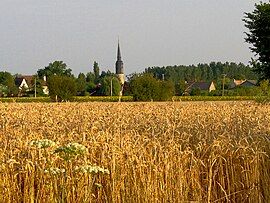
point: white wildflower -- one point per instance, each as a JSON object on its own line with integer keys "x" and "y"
{"x": 91, "y": 169}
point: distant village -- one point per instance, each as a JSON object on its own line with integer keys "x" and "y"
{"x": 26, "y": 84}
{"x": 214, "y": 79}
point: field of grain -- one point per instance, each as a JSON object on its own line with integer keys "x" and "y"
{"x": 135, "y": 152}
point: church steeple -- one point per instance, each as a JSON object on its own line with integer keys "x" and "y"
{"x": 118, "y": 52}
{"x": 119, "y": 66}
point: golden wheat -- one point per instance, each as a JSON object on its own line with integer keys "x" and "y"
{"x": 135, "y": 152}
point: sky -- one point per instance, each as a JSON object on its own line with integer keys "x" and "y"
{"x": 151, "y": 32}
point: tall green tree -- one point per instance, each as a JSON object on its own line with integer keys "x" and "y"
{"x": 55, "y": 68}
{"x": 96, "y": 70}
{"x": 258, "y": 24}
{"x": 81, "y": 84}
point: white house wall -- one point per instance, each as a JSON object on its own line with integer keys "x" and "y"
{"x": 24, "y": 84}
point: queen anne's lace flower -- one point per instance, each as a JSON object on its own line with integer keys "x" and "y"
{"x": 91, "y": 169}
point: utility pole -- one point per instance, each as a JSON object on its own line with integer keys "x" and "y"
{"x": 223, "y": 83}
{"x": 111, "y": 87}
{"x": 35, "y": 87}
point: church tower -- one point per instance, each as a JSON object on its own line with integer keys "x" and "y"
{"x": 119, "y": 66}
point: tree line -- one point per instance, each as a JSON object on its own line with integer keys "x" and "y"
{"x": 203, "y": 72}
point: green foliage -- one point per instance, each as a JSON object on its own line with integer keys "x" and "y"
{"x": 203, "y": 72}
{"x": 145, "y": 87}
{"x": 195, "y": 92}
{"x": 180, "y": 87}
{"x": 166, "y": 90}
{"x": 265, "y": 87}
{"x": 258, "y": 23}
{"x": 3, "y": 90}
{"x": 106, "y": 83}
{"x": 55, "y": 68}
{"x": 90, "y": 77}
{"x": 227, "y": 83}
{"x": 96, "y": 70}
{"x": 244, "y": 91}
{"x": 70, "y": 151}
{"x": 61, "y": 88}
{"x": 81, "y": 84}
{"x": 8, "y": 87}
{"x": 90, "y": 87}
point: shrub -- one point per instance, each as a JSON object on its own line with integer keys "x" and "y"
{"x": 145, "y": 87}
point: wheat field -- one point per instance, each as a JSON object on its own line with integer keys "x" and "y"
{"x": 135, "y": 152}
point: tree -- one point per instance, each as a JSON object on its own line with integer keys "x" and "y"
{"x": 81, "y": 84}
{"x": 55, "y": 68}
{"x": 180, "y": 87}
{"x": 96, "y": 70}
{"x": 90, "y": 77}
{"x": 258, "y": 23}
{"x": 265, "y": 87}
{"x": 166, "y": 90}
{"x": 8, "y": 86}
{"x": 61, "y": 88}
{"x": 108, "y": 82}
{"x": 145, "y": 87}
{"x": 202, "y": 72}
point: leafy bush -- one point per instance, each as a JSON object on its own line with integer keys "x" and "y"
{"x": 145, "y": 87}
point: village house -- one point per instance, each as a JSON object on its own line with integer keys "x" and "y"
{"x": 203, "y": 86}
{"x": 243, "y": 83}
{"x": 26, "y": 83}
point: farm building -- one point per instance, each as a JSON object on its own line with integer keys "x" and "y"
{"x": 204, "y": 86}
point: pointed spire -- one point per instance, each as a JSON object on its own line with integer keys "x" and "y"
{"x": 119, "y": 65}
{"x": 118, "y": 51}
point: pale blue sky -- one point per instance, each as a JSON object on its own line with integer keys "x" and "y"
{"x": 152, "y": 33}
